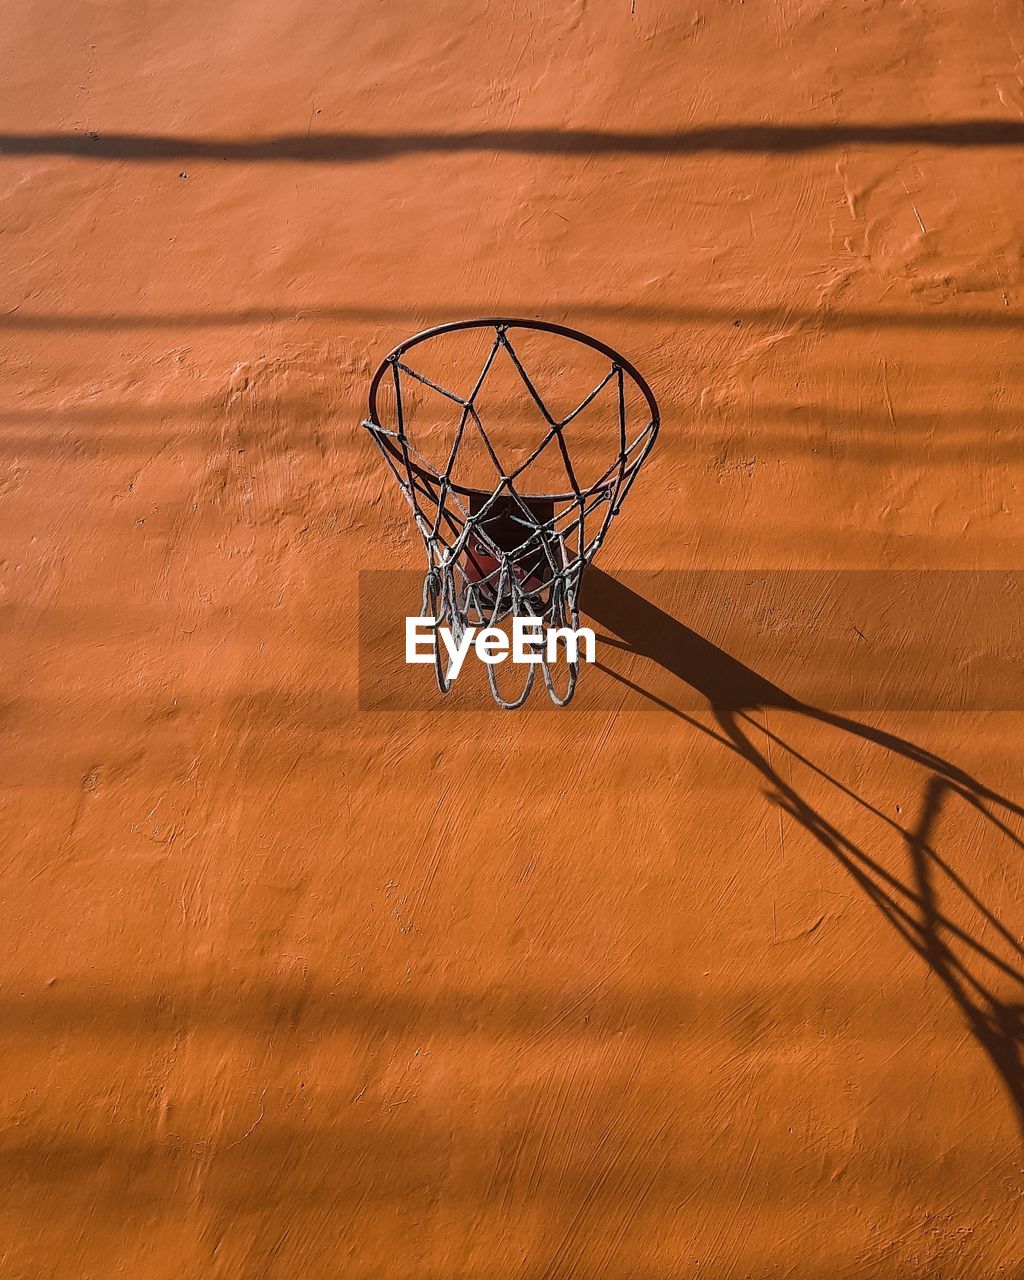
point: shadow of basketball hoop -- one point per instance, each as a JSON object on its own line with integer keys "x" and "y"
{"x": 921, "y": 893}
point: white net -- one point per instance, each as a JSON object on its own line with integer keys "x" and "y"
{"x": 498, "y": 549}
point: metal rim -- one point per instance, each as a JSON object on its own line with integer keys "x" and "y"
{"x": 510, "y": 322}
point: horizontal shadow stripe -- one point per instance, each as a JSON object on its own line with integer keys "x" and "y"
{"x": 347, "y": 148}
{"x": 853, "y": 639}
{"x": 928, "y": 317}
{"x": 518, "y": 1015}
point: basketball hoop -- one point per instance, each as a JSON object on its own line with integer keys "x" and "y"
{"x": 495, "y": 549}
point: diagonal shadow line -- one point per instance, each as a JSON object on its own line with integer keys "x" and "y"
{"x": 912, "y": 909}
{"x": 928, "y": 317}
{"x": 352, "y": 147}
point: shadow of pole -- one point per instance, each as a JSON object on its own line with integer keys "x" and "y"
{"x": 352, "y": 147}
{"x": 910, "y": 905}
